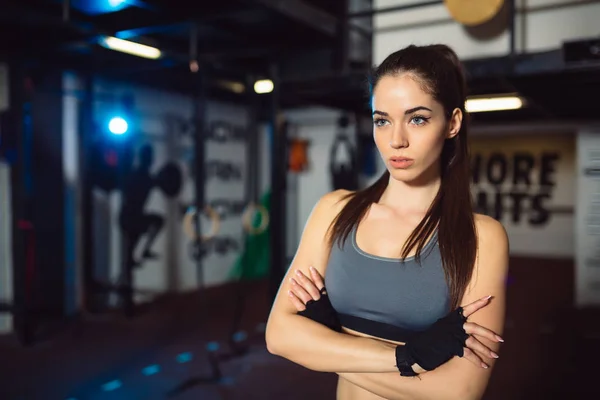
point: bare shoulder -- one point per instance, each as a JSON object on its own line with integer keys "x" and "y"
{"x": 333, "y": 202}
{"x": 492, "y": 260}
{"x": 490, "y": 232}
{"x": 493, "y": 246}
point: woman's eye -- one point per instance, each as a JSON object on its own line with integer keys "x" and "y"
{"x": 379, "y": 122}
{"x": 419, "y": 120}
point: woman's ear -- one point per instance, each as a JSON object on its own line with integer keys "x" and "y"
{"x": 455, "y": 123}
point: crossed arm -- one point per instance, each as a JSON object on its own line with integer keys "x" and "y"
{"x": 369, "y": 363}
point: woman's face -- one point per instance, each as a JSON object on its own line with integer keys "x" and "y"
{"x": 409, "y": 128}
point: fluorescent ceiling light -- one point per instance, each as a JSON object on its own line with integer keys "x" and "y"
{"x": 235, "y": 87}
{"x": 503, "y": 103}
{"x": 263, "y": 86}
{"x": 125, "y": 46}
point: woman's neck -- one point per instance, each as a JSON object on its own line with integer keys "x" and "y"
{"x": 406, "y": 197}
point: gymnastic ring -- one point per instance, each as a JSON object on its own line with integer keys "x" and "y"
{"x": 247, "y": 219}
{"x": 188, "y": 223}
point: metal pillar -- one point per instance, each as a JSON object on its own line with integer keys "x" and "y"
{"x": 343, "y": 39}
{"x": 278, "y": 189}
{"x": 22, "y": 194}
{"x": 86, "y": 130}
{"x": 200, "y": 80}
{"x": 512, "y": 30}
{"x": 252, "y": 197}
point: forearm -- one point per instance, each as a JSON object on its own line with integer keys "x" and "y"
{"x": 392, "y": 386}
{"x": 456, "y": 380}
{"x": 387, "y": 385}
{"x": 318, "y": 348}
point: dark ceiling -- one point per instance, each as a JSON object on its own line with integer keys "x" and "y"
{"x": 230, "y": 38}
{"x": 237, "y": 40}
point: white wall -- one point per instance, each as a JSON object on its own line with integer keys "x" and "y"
{"x": 540, "y": 25}
{"x": 587, "y": 233}
{"x": 318, "y": 125}
{"x": 6, "y": 266}
{"x": 174, "y": 270}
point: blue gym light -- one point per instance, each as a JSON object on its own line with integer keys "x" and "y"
{"x": 118, "y": 126}
{"x": 98, "y": 7}
{"x": 112, "y": 385}
{"x": 151, "y": 370}
{"x": 184, "y": 357}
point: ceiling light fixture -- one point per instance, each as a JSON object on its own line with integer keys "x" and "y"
{"x": 263, "y": 86}
{"x": 125, "y": 46}
{"x": 497, "y": 103}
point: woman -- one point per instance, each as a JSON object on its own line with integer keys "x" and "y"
{"x": 401, "y": 256}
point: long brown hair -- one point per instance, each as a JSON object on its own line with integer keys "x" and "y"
{"x": 440, "y": 73}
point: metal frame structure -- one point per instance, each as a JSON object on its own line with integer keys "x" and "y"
{"x": 264, "y": 38}
{"x": 237, "y": 37}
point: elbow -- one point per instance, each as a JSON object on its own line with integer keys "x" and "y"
{"x": 272, "y": 343}
{"x": 465, "y": 392}
{"x": 459, "y": 394}
{"x": 275, "y": 340}
{"x": 277, "y": 345}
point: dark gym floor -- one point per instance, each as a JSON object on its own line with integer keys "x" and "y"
{"x": 551, "y": 350}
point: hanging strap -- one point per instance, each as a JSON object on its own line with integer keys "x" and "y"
{"x": 344, "y": 174}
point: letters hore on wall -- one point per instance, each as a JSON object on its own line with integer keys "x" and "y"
{"x": 527, "y": 183}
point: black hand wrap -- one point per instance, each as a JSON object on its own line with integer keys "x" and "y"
{"x": 433, "y": 347}
{"x": 322, "y": 311}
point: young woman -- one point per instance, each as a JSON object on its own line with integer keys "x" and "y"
{"x": 406, "y": 261}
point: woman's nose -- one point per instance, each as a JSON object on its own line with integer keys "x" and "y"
{"x": 399, "y": 139}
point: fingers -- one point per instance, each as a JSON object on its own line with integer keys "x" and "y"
{"x": 472, "y": 328}
{"x": 474, "y": 358}
{"x": 296, "y": 301}
{"x": 476, "y": 305}
{"x": 478, "y": 347}
{"x": 301, "y": 280}
{"x": 300, "y": 292}
{"x": 317, "y": 278}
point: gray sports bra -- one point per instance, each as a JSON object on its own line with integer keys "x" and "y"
{"x": 385, "y": 297}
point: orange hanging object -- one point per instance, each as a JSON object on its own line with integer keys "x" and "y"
{"x": 473, "y": 12}
{"x": 298, "y": 158}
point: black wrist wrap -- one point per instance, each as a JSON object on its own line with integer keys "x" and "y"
{"x": 435, "y": 346}
{"x": 322, "y": 311}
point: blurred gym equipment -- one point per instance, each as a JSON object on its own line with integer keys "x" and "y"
{"x": 344, "y": 174}
{"x": 189, "y": 224}
{"x": 201, "y": 245}
{"x": 298, "y": 154}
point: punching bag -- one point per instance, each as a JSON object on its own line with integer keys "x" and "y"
{"x": 368, "y": 155}
{"x": 344, "y": 172}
